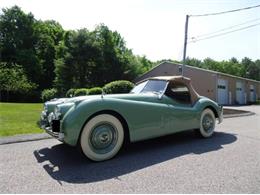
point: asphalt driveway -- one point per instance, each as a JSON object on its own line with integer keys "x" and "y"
{"x": 229, "y": 162}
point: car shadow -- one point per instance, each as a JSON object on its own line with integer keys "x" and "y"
{"x": 65, "y": 163}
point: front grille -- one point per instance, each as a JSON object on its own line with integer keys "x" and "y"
{"x": 55, "y": 125}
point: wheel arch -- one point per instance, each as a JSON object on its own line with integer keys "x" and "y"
{"x": 113, "y": 113}
{"x": 213, "y": 110}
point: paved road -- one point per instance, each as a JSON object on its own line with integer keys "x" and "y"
{"x": 229, "y": 162}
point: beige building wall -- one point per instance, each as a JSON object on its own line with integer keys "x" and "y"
{"x": 203, "y": 82}
{"x": 257, "y": 89}
{"x": 248, "y": 83}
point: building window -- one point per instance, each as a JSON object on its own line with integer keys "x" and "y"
{"x": 180, "y": 68}
{"x": 221, "y": 87}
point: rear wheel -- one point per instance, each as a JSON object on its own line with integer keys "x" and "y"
{"x": 102, "y": 137}
{"x": 207, "y": 123}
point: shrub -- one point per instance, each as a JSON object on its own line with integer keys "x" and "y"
{"x": 95, "y": 91}
{"x": 257, "y": 102}
{"x": 70, "y": 93}
{"x": 118, "y": 87}
{"x": 48, "y": 94}
{"x": 82, "y": 91}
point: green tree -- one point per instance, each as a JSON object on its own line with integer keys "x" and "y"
{"x": 49, "y": 35}
{"x": 250, "y": 68}
{"x": 257, "y": 71}
{"x": 112, "y": 49}
{"x": 14, "y": 80}
{"x": 232, "y": 67}
{"x": 77, "y": 57}
{"x": 141, "y": 65}
{"x": 17, "y": 40}
{"x": 211, "y": 64}
{"x": 88, "y": 59}
{"x": 31, "y": 44}
{"x": 116, "y": 58}
{"x": 193, "y": 62}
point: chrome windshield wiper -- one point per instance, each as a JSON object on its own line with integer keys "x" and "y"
{"x": 156, "y": 92}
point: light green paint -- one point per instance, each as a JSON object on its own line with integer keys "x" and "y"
{"x": 146, "y": 115}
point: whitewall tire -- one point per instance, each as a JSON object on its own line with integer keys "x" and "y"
{"x": 102, "y": 137}
{"x": 207, "y": 123}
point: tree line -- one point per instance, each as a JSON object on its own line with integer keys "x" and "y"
{"x": 246, "y": 68}
{"x": 48, "y": 56}
{"x": 37, "y": 55}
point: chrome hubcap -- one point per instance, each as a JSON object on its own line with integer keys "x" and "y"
{"x": 208, "y": 123}
{"x": 103, "y": 138}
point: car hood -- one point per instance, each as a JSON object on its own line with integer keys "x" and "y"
{"x": 150, "y": 97}
{"x": 128, "y": 96}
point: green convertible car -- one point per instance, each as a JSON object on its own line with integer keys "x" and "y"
{"x": 157, "y": 106}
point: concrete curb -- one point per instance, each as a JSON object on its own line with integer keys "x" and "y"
{"x": 23, "y": 138}
{"x": 231, "y": 113}
{"x": 41, "y": 136}
{"x": 238, "y": 115}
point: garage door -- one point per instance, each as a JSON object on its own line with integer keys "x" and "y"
{"x": 222, "y": 91}
{"x": 240, "y": 92}
{"x": 252, "y": 93}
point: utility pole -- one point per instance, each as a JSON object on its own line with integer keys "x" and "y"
{"x": 185, "y": 45}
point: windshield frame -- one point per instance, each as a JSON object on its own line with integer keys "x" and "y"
{"x": 155, "y": 92}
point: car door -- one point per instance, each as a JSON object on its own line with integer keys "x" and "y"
{"x": 147, "y": 119}
{"x": 182, "y": 115}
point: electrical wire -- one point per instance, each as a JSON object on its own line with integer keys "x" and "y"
{"x": 224, "y": 29}
{"x": 225, "y": 12}
{"x": 221, "y": 34}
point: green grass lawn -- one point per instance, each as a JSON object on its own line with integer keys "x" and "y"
{"x": 19, "y": 118}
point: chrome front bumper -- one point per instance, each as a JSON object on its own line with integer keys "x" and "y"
{"x": 48, "y": 123}
{"x": 59, "y": 136}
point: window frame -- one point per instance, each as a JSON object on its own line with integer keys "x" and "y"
{"x": 170, "y": 93}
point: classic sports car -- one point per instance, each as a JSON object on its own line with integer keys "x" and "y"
{"x": 157, "y": 106}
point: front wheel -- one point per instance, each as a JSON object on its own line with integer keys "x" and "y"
{"x": 102, "y": 137}
{"x": 207, "y": 123}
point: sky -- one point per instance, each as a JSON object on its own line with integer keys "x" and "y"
{"x": 155, "y": 28}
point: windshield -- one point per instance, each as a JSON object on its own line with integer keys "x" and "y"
{"x": 154, "y": 86}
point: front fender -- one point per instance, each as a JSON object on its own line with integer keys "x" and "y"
{"x": 204, "y": 103}
{"x": 75, "y": 118}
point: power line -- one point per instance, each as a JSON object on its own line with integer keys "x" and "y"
{"x": 224, "y": 29}
{"x": 221, "y": 34}
{"x": 209, "y": 37}
{"x": 225, "y": 12}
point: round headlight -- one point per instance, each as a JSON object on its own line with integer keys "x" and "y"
{"x": 57, "y": 112}
{"x": 45, "y": 108}
{"x": 50, "y": 118}
{"x": 57, "y": 109}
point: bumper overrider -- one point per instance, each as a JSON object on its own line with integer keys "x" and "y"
{"x": 51, "y": 124}
{"x": 220, "y": 118}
